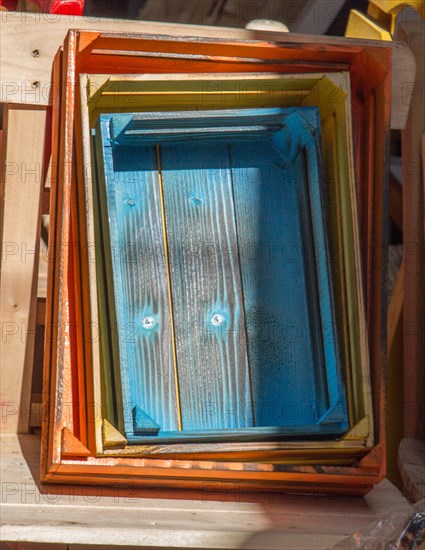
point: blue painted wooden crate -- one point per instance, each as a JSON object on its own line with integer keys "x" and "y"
{"x": 218, "y": 275}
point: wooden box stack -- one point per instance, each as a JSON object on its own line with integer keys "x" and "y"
{"x": 215, "y": 290}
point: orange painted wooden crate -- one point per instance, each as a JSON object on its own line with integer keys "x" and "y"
{"x": 68, "y": 439}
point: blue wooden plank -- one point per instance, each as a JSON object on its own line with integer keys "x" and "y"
{"x": 336, "y": 407}
{"x": 299, "y": 143}
{"x": 206, "y": 287}
{"x": 139, "y": 276}
{"x": 276, "y": 295}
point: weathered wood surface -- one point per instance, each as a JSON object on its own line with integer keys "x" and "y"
{"x": 413, "y": 33}
{"x": 22, "y": 181}
{"x": 73, "y": 515}
{"x": 206, "y": 286}
{"x": 132, "y": 206}
{"x": 283, "y": 345}
{"x": 411, "y": 463}
{"x": 30, "y": 41}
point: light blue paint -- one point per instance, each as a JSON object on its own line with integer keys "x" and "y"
{"x": 254, "y": 317}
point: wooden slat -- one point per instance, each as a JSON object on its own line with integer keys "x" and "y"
{"x": 281, "y": 347}
{"x": 24, "y": 146}
{"x": 394, "y": 420}
{"x": 138, "y": 281}
{"x": 41, "y": 311}
{"x": 206, "y": 287}
{"x": 45, "y": 205}
{"x": 413, "y": 33}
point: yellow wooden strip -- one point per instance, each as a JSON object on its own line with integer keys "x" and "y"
{"x": 111, "y": 436}
{"x": 167, "y": 261}
{"x": 262, "y": 93}
{"x": 349, "y": 233}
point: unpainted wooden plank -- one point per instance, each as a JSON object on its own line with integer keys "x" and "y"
{"x": 24, "y": 136}
{"x": 208, "y": 314}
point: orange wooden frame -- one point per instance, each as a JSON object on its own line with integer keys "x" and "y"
{"x": 67, "y": 434}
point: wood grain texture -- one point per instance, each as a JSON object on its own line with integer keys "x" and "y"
{"x": 139, "y": 277}
{"x": 209, "y": 321}
{"x": 22, "y": 182}
{"x": 276, "y": 296}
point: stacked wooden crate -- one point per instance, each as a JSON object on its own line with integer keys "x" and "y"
{"x": 75, "y": 435}
{"x": 117, "y": 420}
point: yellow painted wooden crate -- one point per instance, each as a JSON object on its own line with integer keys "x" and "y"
{"x": 331, "y": 93}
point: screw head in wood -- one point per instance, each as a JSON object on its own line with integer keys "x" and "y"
{"x": 217, "y": 319}
{"x": 148, "y": 323}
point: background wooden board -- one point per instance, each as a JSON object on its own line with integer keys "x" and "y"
{"x": 219, "y": 519}
{"x": 23, "y": 173}
{"x": 30, "y": 41}
{"x": 414, "y": 244}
